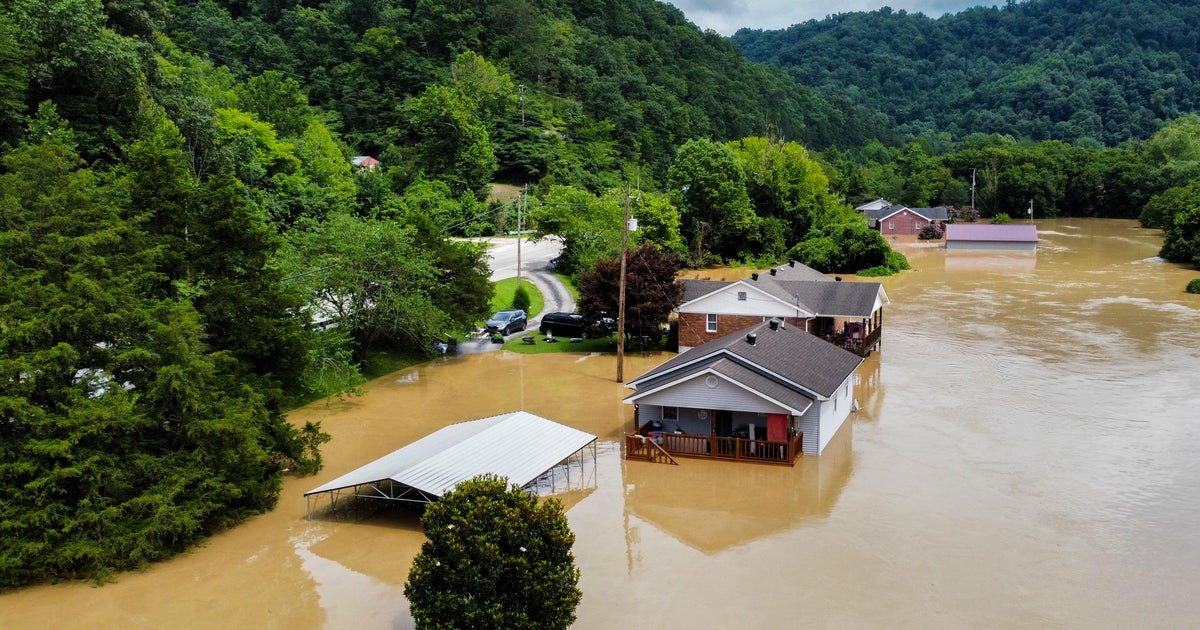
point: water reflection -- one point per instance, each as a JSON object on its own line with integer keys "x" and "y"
{"x": 712, "y": 506}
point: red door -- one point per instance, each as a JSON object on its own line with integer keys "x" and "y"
{"x": 776, "y": 427}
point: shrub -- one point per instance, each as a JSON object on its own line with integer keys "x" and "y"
{"x": 875, "y": 272}
{"x": 1194, "y": 286}
{"x": 896, "y": 261}
{"x": 931, "y": 232}
{"x": 1001, "y": 219}
{"x": 521, "y": 299}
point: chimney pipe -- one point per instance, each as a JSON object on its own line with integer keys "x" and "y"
{"x": 774, "y": 324}
{"x": 754, "y": 277}
{"x": 791, "y": 263}
{"x": 750, "y": 338}
{"x": 772, "y": 271}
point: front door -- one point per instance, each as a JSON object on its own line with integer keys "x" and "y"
{"x": 777, "y": 427}
{"x": 724, "y": 422}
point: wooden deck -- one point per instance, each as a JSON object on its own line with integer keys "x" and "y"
{"x": 862, "y": 347}
{"x": 642, "y": 447}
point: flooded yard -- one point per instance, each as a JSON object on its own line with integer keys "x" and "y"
{"x": 1026, "y": 453}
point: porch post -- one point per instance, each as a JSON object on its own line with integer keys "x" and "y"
{"x": 712, "y": 432}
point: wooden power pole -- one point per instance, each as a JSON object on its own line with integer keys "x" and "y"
{"x": 621, "y": 292}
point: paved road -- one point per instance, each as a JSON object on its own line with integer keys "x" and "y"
{"x": 502, "y": 253}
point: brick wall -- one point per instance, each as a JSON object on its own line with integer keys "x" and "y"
{"x": 693, "y": 332}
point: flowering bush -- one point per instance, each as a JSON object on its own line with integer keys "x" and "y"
{"x": 931, "y": 232}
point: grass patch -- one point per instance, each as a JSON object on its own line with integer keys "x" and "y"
{"x": 599, "y": 344}
{"x": 381, "y": 362}
{"x": 507, "y": 288}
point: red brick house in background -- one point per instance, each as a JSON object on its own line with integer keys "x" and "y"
{"x": 897, "y": 220}
{"x": 847, "y": 314}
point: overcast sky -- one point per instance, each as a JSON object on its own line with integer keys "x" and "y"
{"x": 727, "y": 16}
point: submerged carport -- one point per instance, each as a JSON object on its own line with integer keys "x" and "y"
{"x": 518, "y": 446}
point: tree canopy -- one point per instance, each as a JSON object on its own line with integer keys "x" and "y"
{"x": 495, "y": 557}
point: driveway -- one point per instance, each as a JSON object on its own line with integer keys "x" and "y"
{"x": 502, "y": 255}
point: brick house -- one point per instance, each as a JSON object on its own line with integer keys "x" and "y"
{"x": 898, "y": 220}
{"x": 848, "y": 314}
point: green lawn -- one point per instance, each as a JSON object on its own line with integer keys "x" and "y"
{"x": 507, "y": 288}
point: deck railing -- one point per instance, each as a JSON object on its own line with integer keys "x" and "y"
{"x": 713, "y": 447}
{"x": 861, "y": 347}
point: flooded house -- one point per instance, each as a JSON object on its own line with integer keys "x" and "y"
{"x": 1007, "y": 236}
{"x": 847, "y": 314}
{"x": 899, "y": 220}
{"x": 767, "y": 394}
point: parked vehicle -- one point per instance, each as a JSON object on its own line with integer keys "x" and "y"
{"x": 563, "y": 325}
{"x": 506, "y": 322}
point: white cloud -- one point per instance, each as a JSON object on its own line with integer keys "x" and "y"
{"x": 727, "y": 16}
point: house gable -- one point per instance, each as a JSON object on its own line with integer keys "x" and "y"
{"x": 745, "y": 298}
{"x": 784, "y": 355}
{"x": 723, "y": 391}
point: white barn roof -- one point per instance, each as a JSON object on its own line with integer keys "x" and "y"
{"x": 519, "y": 446}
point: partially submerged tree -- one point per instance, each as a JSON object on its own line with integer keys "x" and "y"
{"x": 495, "y": 558}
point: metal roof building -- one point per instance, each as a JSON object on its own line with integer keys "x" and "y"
{"x": 518, "y": 446}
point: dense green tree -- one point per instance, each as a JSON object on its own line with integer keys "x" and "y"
{"x": 124, "y": 437}
{"x": 496, "y": 557}
{"x": 369, "y": 277}
{"x": 786, "y": 187}
{"x": 709, "y": 188}
{"x": 589, "y": 226}
{"x": 846, "y": 248}
{"x": 450, "y": 140}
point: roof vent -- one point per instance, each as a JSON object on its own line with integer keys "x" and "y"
{"x": 791, "y": 263}
{"x": 837, "y": 278}
{"x": 772, "y": 272}
{"x": 754, "y": 277}
{"x": 774, "y": 324}
{"x": 751, "y": 338}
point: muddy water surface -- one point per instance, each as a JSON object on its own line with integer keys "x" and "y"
{"x": 1027, "y": 453}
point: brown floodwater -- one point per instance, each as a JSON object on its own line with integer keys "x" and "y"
{"x": 1027, "y": 453}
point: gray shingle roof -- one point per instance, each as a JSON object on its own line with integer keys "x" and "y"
{"x": 829, "y": 299}
{"x": 802, "y": 285}
{"x": 693, "y": 289}
{"x": 787, "y": 356}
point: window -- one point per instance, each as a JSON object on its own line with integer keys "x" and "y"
{"x": 741, "y": 296}
{"x": 917, "y": 225}
{"x": 670, "y": 413}
{"x": 711, "y": 324}
{"x": 891, "y": 225}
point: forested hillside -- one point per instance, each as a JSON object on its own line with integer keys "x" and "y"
{"x": 1102, "y": 71}
{"x": 586, "y": 82}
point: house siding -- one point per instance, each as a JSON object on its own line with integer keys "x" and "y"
{"x": 822, "y": 421}
{"x": 724, "y": 395}
{"x": 1019, "y": 246}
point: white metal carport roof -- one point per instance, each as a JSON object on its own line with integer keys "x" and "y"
{"x": 518, "y": 446}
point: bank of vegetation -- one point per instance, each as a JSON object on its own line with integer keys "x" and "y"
{"x": 187, "y": 249}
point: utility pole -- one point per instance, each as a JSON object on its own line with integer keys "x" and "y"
{"x": 621, "y": 291}
{"x": 520, "y": 207}
{"x": 972, "y": 192}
